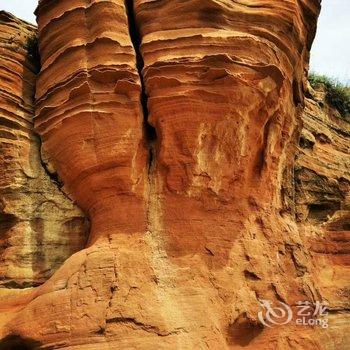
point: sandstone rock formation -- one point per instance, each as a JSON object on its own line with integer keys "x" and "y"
{"x": 39, "y": 227}
{"x": 322, "y": 167}
{"x": 322, "y": 180}
{"x": 174, "y": 125}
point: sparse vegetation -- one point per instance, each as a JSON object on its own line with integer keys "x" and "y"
{"x": 337, "y": 94}
{"x": 32, "y": 48}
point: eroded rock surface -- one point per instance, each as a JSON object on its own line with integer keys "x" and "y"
{"x": 322, "y": 180}
{"x": 323, "y": 164}
{"x": 174, "y": 125}
{"x": 39, "y": 227}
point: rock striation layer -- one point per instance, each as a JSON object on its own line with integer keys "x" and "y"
{"x": 88, "y": 95}
{"x": 174, "y": 125}
{"x": 39, "y": 227}
{"x": 322, "y": 167}
{"x": 322, "y": 180}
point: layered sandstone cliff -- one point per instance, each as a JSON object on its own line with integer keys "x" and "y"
{"x": 322, "y": 198}
{"x": 174, "y": 125}
{"x": 39, "y": 227}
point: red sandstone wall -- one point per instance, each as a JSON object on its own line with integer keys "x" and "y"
{"x": 173, "y": 125}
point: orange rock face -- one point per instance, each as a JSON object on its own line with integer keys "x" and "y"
{"x": 323, "y": 209}
{"x": 98, "y": 112}
{"x": 174, "y": 126}
{"x": 39, "y": 227}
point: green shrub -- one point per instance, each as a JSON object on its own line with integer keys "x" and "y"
{"x": 32, "y": 48}
{"x": 337, "y": 94}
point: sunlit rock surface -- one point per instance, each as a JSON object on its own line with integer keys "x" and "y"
{"x": 175, "y": 126}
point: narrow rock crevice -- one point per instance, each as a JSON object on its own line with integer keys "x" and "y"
{"x": 32, "y": 47}
{"x": 150, "y": 133}
{"x": 53, "y": 176}
{"x": 155, "y": 226}
{"x": 33, "y": 56}
{"x": 145, "y": 327}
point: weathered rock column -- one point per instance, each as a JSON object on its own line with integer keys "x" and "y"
{"x": 39, "y": 227}
{"x": 89, "y": 113}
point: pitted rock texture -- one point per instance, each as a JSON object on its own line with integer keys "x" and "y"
{"x": 323, "y": 163}
{"x": 223, "y": 87}
{"x": 173, "y": 124}
{"x": 39, "y": 227}
{"x": 322, "y": 183}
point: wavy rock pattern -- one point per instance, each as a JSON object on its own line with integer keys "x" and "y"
{"x": 174, "y": 125}
{"x": 39, "y": 227}
{"x": 88, "y": 95}
{"x": 223, "y": 87}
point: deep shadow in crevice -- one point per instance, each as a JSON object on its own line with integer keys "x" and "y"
{"x": 7, "y": 221}
{"x": 33, "y": 66}
{"x": 135, "y": 35}
{"x": 33, "y": 56}
{"x": 53, "y": 176}
{"x": 16, "y": 342}
{"x": 243, "y": 331}
{"x": 322, "y": 211}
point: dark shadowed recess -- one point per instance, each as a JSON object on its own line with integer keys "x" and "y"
{"x": 16, "y": 342}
